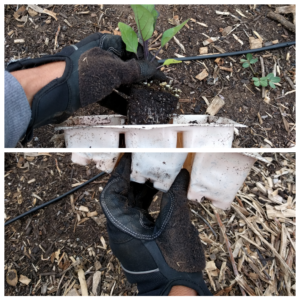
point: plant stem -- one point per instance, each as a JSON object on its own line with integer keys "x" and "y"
{"x": 252, "y": 70}
{"x": 146, "y": 50}
{"x": 156, "y": 53}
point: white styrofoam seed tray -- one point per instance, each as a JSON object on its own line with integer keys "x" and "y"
{"x": 215, "y": 176}
{"x": 199, "y": 131}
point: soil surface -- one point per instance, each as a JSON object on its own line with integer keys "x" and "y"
{"x": 243, "y": 101}
{"x": 41, "y": 246}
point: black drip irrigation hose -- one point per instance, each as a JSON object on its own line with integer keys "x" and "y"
{"x": 201, "y": 57}
{"x": 54, "y": 200}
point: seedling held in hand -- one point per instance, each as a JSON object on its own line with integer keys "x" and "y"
{"x": 249, "y": 61}
{"x": 145, "y": 18}
{"x": 270, "y": 79}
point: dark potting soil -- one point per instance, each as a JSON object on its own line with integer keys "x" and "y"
{"x": 147, "y": 106}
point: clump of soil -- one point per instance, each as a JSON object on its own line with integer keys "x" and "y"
{"x": 147, "y": 106}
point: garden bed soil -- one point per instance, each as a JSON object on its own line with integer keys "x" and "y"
{"x": 243, "y": 102}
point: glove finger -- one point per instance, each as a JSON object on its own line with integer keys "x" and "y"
{"x": 179, "y": 242}
{"x": 159, "y": 75}
{"x": 181, "y": 183}
{"x": 114, "y": 44}
{"x": 114, "y": 202}
{"x": 177, "y": 193}
{"x": 119, "y": 182}
{"x": 123, "y": 169}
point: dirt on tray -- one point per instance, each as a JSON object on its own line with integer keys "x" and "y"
{"x": 148, "y": 106}
{"x": 270, "y": 121}
{"x": 43, "y": 245}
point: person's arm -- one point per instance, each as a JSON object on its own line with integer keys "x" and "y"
{"x": 20, "y": 86}
{"x": 17, "y": 111}
{"x": 180, "y": 290}
{"x": 34, "y": 79}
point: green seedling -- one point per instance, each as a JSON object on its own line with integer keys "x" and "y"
{"x": 249, "y": 61}
{"x": 270, "y": 79}
{"x": 145, "y": 18}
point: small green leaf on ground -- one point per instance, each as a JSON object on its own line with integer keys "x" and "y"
{"x": 168, "y": 34}
{"x": 253, "y": 60}
{"x": 129, "y": 37}
{"x": 171, "y": 61}
{"x": 275, "y": 79}
{"x": 246, "y": 64}
{"x": 272, "y": 85}
{"x": 249, "y": 56}
{"x": 264, "y": 81}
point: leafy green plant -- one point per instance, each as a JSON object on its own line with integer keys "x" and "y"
{"x": 270, "y": 79}
{"x": 249, "y": 61}
{"x": 145, "y": 18}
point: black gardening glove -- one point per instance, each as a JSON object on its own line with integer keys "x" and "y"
{"x": 55, "y": 102}
{"x": 155, "y": 255}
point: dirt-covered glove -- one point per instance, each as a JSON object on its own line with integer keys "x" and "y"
{"x": 155, "y": 255}
{"x": 100, "y": 72}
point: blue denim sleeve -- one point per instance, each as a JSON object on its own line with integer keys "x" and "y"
{"x": 17, "y": 111}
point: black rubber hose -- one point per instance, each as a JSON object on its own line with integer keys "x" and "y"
{"x": 54, "y": 200}
{"x": 201, "y": 57}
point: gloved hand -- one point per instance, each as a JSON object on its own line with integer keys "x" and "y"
{"x": 155, "y": 255}
{"x": 101, "y": 71}
{"x": 55, "y": 102}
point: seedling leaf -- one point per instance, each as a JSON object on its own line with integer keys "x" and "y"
{"x": 275, "y": 79}
{"x": 253, "y": 60}
{"x": 153, "y": 11}
{"x": 272, "y": 85}
{"x": 168, "y": 34}
{"x": 246, "y": 64}
{"x": 144, "y": 21}
{"x": 243, "y": 60}
{"x": 270, "y": 76}
{"x": 171, "y": 61}
{"x": 255, "y": 79}
{"x": 264, "y": 82}
{"x": 129, "y": 37}
{"x": 249, "y": 56}
{"x": 256, "y": 83}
